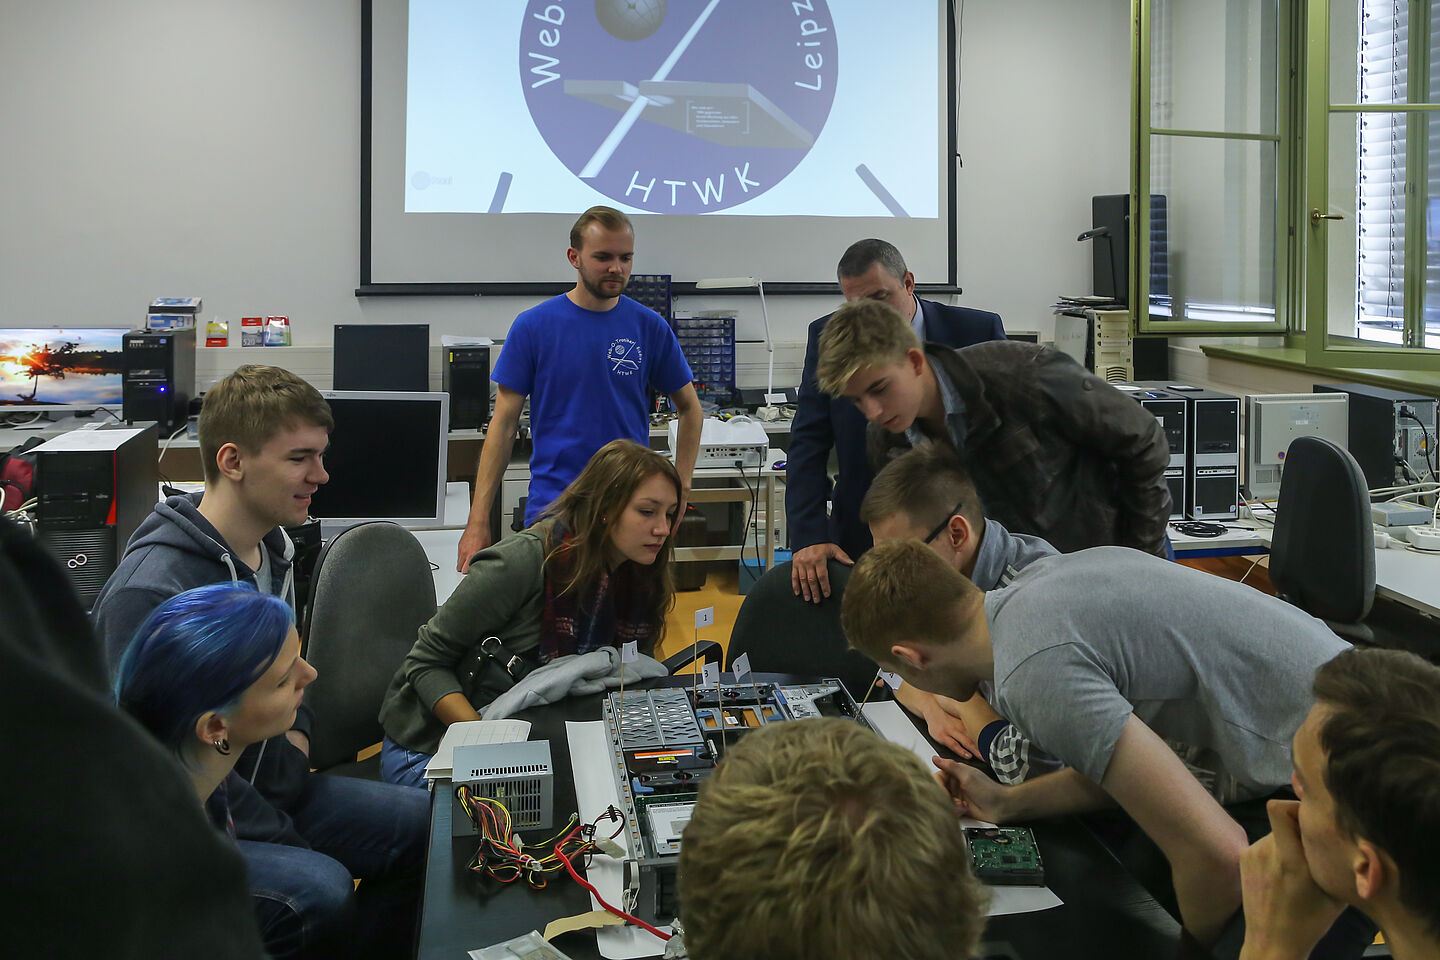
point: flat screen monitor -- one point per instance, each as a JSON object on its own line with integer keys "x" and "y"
{"x": 382, "y": 356}
{"x": 54, "y": 369}
{"x": 386, "y": 459}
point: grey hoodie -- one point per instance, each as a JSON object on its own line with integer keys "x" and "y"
{"x": 176, "y": 549}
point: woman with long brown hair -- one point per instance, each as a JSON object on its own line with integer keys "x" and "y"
{"x": 592, "y": 572}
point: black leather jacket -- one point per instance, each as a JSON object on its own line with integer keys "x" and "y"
{"x": 1054, "y": 450}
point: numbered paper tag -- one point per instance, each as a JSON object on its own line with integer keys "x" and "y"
{"x": 741, "y": 666}
{"x": 710, "y": 675}
{"x": 893, "y": 681}
{"x": 630, "y": 652}
{"x": 704, "y": 617}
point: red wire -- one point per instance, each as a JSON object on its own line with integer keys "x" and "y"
{"x": 618, "y": 912}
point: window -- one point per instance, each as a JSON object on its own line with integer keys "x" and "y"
{"x": 1296, "y": 144}
{"x": 1383, "y": 134}
{"x": 1212, "y": 157}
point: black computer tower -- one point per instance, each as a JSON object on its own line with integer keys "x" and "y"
{"x": 159, "y": 377}
{"x": 93, "y": 488}
{"x": 1110, "y": 252}
{"x": 1213, "y": 461}
{"x": 1386, "y": 426}
{"x": 382, "y": 356}
{"x": 1172, "y": 411}
{"x": 466, "y": 377}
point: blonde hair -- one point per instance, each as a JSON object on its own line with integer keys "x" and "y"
{"x": 589, "y": 509}
{"x": 862, "y": 333}
{"x": 609, "y": 219}
{"x": 816, "y": 838}
{"x": 925, "y": 485}
{"x": 901, "y": 591}
{"x": 252, "y": 405}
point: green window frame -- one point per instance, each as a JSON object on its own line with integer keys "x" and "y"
{"x": 1322, "y": 348}
{"x": 1275, "y": 180}
{"x": 1300, "y": 138}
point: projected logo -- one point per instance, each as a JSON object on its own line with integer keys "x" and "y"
{"x": 689, "y": 106}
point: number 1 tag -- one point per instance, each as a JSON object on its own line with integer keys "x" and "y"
{"x": 630, "y": 652}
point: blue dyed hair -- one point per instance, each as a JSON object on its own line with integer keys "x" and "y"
{"x": 199, "y": 652}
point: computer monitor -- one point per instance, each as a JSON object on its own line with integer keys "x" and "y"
{"x": 54, "y": 369}
{"x": 382, "y": 356}
{"x": 386, "y": 459}
{"x": 1273, "y": 420}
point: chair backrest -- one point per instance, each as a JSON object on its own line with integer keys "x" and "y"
{"x": 1322, "y": 556}
{"x": 785, "y": 634}
{"x": 372, "y": 591}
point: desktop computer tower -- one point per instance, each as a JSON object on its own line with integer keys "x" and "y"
{"x": 93, "y": 488}
{"x": 159, "y": 377}
{"x": 1388, "y": 427}
{"x": 1172, "y": 411}
{"x": 466, "y": 377}
{"x": 1212, "y": 462}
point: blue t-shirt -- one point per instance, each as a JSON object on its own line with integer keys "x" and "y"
{"x": 587, "y": 374}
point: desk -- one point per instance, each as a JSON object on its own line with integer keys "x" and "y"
{"x": 1404, "y": 576}
{"x": 1107, "y": 914}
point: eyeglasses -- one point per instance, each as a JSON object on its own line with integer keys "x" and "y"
{"x": 944, "y": 523}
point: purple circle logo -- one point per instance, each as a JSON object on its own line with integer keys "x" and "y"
{"x": 689, "y": 106}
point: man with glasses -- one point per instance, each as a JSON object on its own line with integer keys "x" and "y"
{"x": 926, "y": 495}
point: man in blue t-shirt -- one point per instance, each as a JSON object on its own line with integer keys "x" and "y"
{"x": 586, "y": 359}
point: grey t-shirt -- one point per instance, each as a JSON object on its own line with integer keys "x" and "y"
{"x": 1083, "y": 640}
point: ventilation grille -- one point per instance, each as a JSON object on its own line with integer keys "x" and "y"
{"x": 87, "y": 556}
{"x": 655, "y": 718}
{"x": 521, "y": 797}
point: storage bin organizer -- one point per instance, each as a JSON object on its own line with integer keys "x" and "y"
{"x": 709, "y": 347}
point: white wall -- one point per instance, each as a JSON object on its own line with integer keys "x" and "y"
{"x": 211, "y": 148}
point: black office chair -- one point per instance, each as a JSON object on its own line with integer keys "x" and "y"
{"x": 372, "y": 590}
{"x": 1322, "y": 555}
{"x": 783, "y": 633}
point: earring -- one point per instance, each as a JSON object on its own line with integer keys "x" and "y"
{"x": 222, "y": 747}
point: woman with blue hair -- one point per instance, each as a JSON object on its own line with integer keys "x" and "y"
{"x": 211, "y": 671}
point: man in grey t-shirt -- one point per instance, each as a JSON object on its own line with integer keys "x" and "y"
{"x": 1097, "y": 656}
{"x": 926, "y": 495}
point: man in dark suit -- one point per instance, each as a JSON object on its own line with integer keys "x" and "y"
{"x": 869, "y": 270}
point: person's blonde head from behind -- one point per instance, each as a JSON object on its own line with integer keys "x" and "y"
{"x": 862, "y": 333}
{"x": 816, "y": 838}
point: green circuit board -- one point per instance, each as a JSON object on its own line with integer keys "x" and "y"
{"x": 1005, "y": 856}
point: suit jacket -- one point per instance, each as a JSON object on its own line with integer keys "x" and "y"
{"x": 823, "y": 422}
{"x": 1055, "y": 451}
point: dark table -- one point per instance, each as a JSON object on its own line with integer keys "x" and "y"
{"x": 1106, "y": 913}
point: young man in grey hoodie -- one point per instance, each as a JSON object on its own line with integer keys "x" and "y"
{"x": 263, "y": 434}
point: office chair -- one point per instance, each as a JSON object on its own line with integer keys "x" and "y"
{"x": 785, "y": 634}
{"x": 1322, "y": 555}
{"x": 372, "y": 589}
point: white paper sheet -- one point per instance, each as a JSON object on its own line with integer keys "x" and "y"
{"x": 467, "y": 733}
{"x": 890, "y": 720}
{"x": 595, "y": 790}
{"x": 94, "y": 439}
